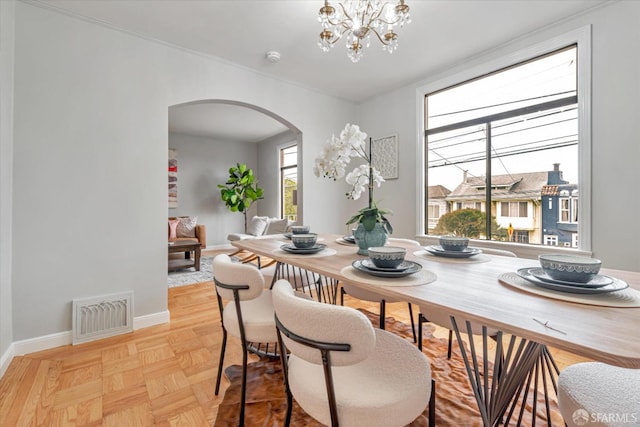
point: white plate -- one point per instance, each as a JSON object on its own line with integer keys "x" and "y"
{"x": 289, "y": 247}
{"x": 597, "y": 282}
{"x": 617, "y": 285}
{"x": 415, "y": 267}
{"x": 466, "y": 253}
{"x": 368, "y": 263}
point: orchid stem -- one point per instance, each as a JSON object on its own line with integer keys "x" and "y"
{"x": 370, "y": 174}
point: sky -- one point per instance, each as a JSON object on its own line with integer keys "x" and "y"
{"x": 522, "y": 144}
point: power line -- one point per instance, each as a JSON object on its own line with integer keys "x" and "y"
{"x": 430, "y": 143}
{"x": 503, "y": 103}
{"x": 478, "y": 156}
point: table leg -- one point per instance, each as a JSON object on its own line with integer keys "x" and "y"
{"x": 196, "y": 261}
{"x": 515, "y": 367}
{"x": 318, "y": 287}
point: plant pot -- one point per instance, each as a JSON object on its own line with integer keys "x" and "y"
{"x": 367, "y": 239}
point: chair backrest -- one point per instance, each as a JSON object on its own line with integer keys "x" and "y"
{"x": 235, "y": 273}
{"x": 322, "y": 322}
{"x": 400, "y": 240}
{"x": 501, "y": 252}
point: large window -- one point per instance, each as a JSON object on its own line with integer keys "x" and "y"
{"x": 507, "y": 135}
{"x": 289, "y": 182}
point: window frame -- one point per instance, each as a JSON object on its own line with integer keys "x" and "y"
{"x": 281, "y": 172}
{"x": 582, "y": 38}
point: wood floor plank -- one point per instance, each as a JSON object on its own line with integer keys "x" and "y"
{"x": 9, "y": 387}
{"x": 21, "y": 397}
{"x": 33, "y": 399}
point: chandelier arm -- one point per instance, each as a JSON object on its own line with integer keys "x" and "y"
{"x": 377, "y": 17}
{"x": 380, "y": 38}
{"x": 342, "y": 23}
{"x": 345, "y": 29}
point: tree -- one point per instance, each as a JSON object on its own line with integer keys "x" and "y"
{"x": 290, "y": 210}
{"x": 468, "y": 223}
{"x": 240, "y": 190}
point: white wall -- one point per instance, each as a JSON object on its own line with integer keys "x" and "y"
{"x": 6, "y": 174}
{"x": 90, "y": 141}
{"x": 615, "y": 130}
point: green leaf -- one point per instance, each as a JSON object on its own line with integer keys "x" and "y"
{"x": 369, "y": 222}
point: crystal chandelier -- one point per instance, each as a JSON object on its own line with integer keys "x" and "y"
{"x": 357, "y": 20}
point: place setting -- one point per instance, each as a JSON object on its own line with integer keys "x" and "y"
{"x": 299, "y": 229}
{"x": 306, "y": 244}
{"x": 388, "y": 262}
{"x": 347, "y": 240}
{"x": 573, "y": 278}
{"x": 453, "y": 249}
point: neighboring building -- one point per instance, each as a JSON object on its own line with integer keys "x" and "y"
{"x": 516, "y": 201}
{"x": 560, "y": 215}
{"x": 436, "y": 205}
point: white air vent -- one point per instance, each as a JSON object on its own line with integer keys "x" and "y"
{"x": 101, "y": 317}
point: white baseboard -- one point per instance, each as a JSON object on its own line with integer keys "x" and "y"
{"x": 151, "y": 319}
{"x": 32, "y": 345}
{"x": 5, "y": 360}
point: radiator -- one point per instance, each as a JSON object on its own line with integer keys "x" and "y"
{"x": 102, "y": 316}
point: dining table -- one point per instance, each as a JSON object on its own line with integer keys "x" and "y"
{"x": 486, "y": 289}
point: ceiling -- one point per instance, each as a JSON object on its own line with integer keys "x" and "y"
{"x": 443, "y": 33}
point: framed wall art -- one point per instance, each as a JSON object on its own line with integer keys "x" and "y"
{"x": 173, "y": 178}
{"x": 384, "y": 153}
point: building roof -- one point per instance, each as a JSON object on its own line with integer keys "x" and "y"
{"x": 517, "y": 186}
{"x": 549, "y": 190}
{"x": 437, "y": 192}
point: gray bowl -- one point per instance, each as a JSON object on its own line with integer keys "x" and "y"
{"x": 387, "y": 256}
{"x": 300, "y": 229}
{"x": 570, "y": 268}
{"x": 454, "y": 243}
{"x": 304, "y": 241}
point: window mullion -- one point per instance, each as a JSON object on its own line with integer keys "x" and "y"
{"x": 487, "y": 208}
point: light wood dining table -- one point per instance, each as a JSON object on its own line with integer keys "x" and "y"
{"x": 473, "y": 291}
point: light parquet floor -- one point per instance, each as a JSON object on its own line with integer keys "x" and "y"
{"x": 158, "y": 376}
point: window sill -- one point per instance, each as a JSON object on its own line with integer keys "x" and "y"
{"x": 520, "y": 249}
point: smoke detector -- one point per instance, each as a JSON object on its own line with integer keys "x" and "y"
{"x": 273, "y": 56}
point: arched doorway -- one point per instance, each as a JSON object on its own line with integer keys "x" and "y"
{"x": 212, "y": 135}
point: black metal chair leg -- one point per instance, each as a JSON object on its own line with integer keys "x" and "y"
{"x": 432, "y": 405}
{"x": 287, "y": 421}
{"x": 342, "y": 292}
{"x": 421, "y": 320}
{"x": 383, "y": 305}
{"x": 449, "y": 346}
{"x": 222, "y": 349}
{"x": 413, "y": 325}
{"x": 243, "y": 397}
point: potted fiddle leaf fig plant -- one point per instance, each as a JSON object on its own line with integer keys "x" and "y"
{"x": 240, "y": 190}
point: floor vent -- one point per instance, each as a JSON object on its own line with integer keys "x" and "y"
{"x": 101, "y": 317}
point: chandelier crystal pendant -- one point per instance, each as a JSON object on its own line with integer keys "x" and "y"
{"x": 356, "y": 20}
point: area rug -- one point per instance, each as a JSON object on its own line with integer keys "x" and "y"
{"x": 455, "y": 403}
{"x": 190, "y": 276}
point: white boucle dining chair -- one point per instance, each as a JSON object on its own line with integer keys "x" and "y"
{"x": 442, "y": 318}
{"x": 343, "y": 371}
{"x": 248, "y": 314}
{"x": 373, "y": 296}
{"x": 597, "y": 394}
